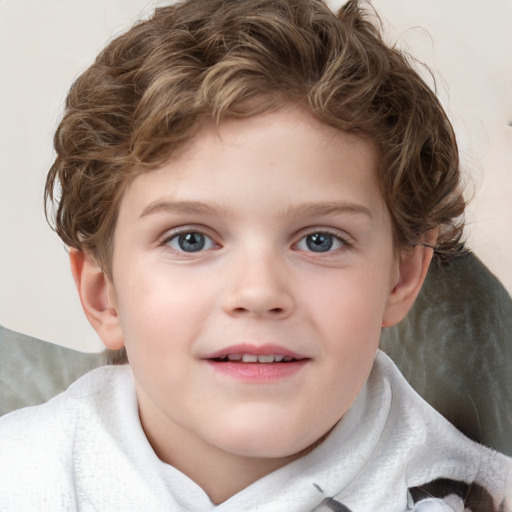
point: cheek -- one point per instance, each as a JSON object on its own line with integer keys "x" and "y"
{"x": 157, "y": 306}
{"x": 349, "y": 300}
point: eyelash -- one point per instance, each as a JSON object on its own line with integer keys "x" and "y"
{"x": 342, "y": 242}
{"x": 175, "y": 235}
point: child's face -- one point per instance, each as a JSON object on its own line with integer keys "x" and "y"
{"x": 265, "y": 237}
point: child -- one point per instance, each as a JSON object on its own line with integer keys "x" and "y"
{"x": 250, "y": 191}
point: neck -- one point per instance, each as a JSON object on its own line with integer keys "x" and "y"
{"x": 220, "y": 474}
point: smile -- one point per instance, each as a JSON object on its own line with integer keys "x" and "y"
{"x": 253, "y": 358}
{"x": 256, "y": 363}
{"x": 249, "y": 353}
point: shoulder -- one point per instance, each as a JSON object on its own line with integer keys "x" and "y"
{"x": 89, "y": 395}
{"x": 441, "y": 462}
{"x": 38, "y": 443}
{"x": 92, "y": 390}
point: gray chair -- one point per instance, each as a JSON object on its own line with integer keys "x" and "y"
{"x": 32, "y": 370}
{"x": 454, "y": 347}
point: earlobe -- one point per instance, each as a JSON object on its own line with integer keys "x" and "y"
{"x": 97, "y": 297}
{"x": 413, "y": 267}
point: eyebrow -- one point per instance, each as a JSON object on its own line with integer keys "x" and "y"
{"x": 190, "y": 207}
{"x": 329, "y": 208}
{"x": 309, "y": 209}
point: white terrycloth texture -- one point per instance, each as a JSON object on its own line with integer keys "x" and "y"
{"x": 85, "y": 450}
{"x": 450, "y": 503}
{"x": 435, "y": 505}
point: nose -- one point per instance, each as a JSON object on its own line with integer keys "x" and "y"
{"x": 258, "y": 287}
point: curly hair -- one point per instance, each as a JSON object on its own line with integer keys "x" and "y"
{"x": 151, "y": 89}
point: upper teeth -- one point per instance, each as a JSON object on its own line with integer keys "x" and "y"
{"x": 253, "y": 358}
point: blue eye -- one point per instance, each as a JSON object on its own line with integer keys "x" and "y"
{"x": 190, "y": 241}
{"x": 320, "y": 242}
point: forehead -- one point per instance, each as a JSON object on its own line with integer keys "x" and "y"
{"x": 283, "y": 148}
{"x": 271, "y": 165}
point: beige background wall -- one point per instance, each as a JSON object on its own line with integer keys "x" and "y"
{"x": 45, "y": 44}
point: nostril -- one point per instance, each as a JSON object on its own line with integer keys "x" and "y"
{"x": 272, "y": 311}
{"x": 258, "y": 302}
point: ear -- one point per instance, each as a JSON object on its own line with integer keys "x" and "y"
{"x": 97, "y": 297}
{"x": 412, "y": 269}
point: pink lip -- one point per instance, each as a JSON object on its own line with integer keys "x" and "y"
{"x": 257, "y": 350}
{"x": 256, "y": 372}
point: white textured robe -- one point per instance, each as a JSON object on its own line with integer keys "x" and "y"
{"x": 85, "y": 450}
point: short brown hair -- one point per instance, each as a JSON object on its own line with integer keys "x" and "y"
{"x": 152, "y": 88}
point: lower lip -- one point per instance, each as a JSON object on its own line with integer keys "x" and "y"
{"x": 258, "y": 372}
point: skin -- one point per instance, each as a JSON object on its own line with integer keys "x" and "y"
{"x": 260, "y": 189}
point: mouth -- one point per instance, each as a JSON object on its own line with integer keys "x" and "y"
{"x": 253, "y": 358}
{"x": 263, "y": 354}
{"x": 266, "y": 363}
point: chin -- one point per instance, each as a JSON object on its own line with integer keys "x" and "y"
{"x": 270, "y": 443}
{"x": 265, "y": 452}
